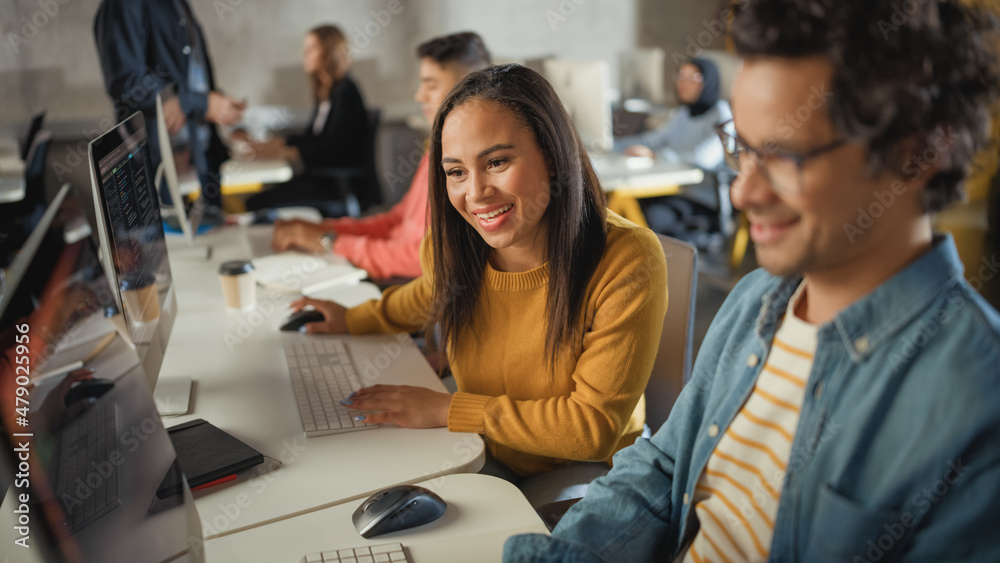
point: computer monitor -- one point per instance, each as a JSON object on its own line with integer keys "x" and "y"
{"x": 167, "y": 170}
{"x": 131, "y": 240}
{"x": 585, "y": 90}
{"x": 83, "y": 464}
{"x": 642, "y": 75}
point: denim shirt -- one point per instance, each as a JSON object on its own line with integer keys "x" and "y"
{"x": 897, "y": 450}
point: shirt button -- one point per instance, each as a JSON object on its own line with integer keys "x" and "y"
{"x": 753, "y": 360}
{"x": 686, "y": 498}
{"x": 818, "y": 390}
{"x": 861, "y": 345}
{"x": 713, "y": 431}
{"x": 186, "y": 50}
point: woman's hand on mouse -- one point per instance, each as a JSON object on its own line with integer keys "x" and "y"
{"x": 405, "y": 405}
{"x": 335, "y": 316}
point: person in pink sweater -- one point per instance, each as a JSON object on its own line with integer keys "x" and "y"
{"x": 387, "y": 245}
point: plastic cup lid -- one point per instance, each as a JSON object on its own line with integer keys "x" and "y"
{"x": 235, "y": 267}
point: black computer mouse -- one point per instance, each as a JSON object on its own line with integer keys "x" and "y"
{"x": 397, "y": 508}
{"x": 88, "y": 388}
{"x": 299, "y": 318}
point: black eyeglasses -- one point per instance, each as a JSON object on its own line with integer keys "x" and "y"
{"x": 782, "y": 169}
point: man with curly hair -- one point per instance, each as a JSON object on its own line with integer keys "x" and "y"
{"x": 843, "y": 406}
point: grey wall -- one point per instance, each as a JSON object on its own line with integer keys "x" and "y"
{"x": 256, "y": 45}
{"x": 49, "y": 61}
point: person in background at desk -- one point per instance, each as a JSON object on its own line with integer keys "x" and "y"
{"x": 143, "y": 46}
{"x": 550, "y": 306}
{"x": 843, "y": 406}
{"x": 332, "y": 139}
{"x": 387, "y": 245}
{"x": 688, "y": 137}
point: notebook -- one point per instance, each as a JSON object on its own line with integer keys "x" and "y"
{"x": 206, "y": 454}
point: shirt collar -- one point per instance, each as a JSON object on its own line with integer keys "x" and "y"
{"x": 871, "y": 320}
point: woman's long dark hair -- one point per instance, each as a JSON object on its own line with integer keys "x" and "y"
{"x": 576, "y": 213}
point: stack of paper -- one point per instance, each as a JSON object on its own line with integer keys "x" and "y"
{"x": 304, "y": 273}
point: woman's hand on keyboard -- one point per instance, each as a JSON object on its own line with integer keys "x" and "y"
{"x": 405, "y": 405}
{"x": 335, "y": 316}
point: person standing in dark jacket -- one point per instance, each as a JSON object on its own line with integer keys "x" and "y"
{"x": 145, "y": 45}
{"x": 337, "y": 127}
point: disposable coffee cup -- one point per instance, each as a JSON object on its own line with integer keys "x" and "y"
{"x": 239, "y": 286}
{"x": 140, "y": 298}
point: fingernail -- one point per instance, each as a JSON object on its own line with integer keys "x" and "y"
{"x": 302, "y": 329}
{"x": 360, "y": 418}
{"x": 353, "y": 393}
{"x": 346, "y": 401}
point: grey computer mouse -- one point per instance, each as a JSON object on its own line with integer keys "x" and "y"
{"x": 298, "y": 319}
{"x": 397, "y": 508}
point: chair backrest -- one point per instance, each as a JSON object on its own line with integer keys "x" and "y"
{"x": 34, "y": 162}
{"x": 672, "y": 367}
{"x": 374, "y": 195}
{"x": 31, "y": 129}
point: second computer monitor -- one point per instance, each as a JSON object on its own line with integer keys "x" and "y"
{"x": 130, "y": 232}
{"x": 167, "y": 170}
{"x": 584, "y": 87}
{"x": 642, "y": 75}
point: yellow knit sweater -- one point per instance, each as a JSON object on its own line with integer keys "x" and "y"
{"x": 534, "y": 418}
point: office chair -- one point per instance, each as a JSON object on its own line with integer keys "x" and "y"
{"x": 34, "y": 170}
{"x": 671, "y": 369}
{"x": 357, "y": 187}
{"x": 31, "y": 129}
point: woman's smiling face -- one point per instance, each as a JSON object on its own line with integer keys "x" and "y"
{"x": 499, "y": 181}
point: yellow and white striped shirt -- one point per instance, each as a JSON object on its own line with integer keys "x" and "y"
{"x": 736, "y": 498}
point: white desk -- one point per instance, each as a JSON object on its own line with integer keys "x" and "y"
{"x": 619, "y": 172}
{"x": 236, "y": 174}
{"x": 242, "y": 386}
{"x": 12, "y": 168}
{"x": 482, "y": 513}
{"x": 628, "y": 179}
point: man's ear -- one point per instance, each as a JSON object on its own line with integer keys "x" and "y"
{"x": 921, "y": 155}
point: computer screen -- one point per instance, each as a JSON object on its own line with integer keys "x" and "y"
{"x": 642, "y": 75}
{"x": 167, "y": 175}
{"x": 584, "y": 87}
{"x": 83, "y": 457}
{"x": 130, "y": 234}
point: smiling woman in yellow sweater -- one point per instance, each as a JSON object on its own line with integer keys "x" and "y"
{"x": 551, "y": 306}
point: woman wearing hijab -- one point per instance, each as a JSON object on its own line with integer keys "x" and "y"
{"x": 689, "y": 135}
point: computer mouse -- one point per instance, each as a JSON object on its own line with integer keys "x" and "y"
{"x": 397, "y": 508}
{"x": 299, "y": 318}
{"x": 88, "y": 388}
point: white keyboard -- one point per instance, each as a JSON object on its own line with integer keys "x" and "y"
{"x": 322, "y": 374}
{"x": 382, "y": 553}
